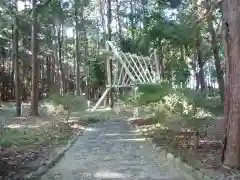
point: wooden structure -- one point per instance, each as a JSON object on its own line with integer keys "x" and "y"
{"x": 128, "y": 70}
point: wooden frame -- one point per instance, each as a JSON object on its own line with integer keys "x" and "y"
{"x": 128, "y": 70}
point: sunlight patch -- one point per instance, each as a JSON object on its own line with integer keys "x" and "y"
{"x": 76, "y": 126}
{"x": 17, "y": 126}
{"x": 109, "y": 175}
{"x": 91, "y": 129}
{"x": 111, "y": 134}
{"x": 136, "y": 131}
{"x": 135, "y": 139}
{"x": 72, "y": 120}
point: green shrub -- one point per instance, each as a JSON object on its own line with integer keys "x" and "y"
{"x": 165, "y": 102}
{"x": 69, "y": 101}
{"x": 152, "y": 93}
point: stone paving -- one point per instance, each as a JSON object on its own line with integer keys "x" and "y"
{"x": 110, "y": 150}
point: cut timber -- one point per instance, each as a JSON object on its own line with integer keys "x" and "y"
{"x": 101, "y": 99}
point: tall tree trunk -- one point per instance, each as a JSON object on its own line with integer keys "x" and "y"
{"x": 118, "y": 19}
{"x": 87, "y": 64}
{"x": 49, "y": 76}
{"x": 132, "y": 20}
{"x": 144, "y": 10}
{"x": 17, "y": 66}
{"x": 62, "y": 73}
{"x": 35, "y": 63}
{"x": 78, "y": 91}
{"x": 232, "y": 45}
{"x": 83, "y": 44}
{"x": 103, "y": 19}
{"x": 104, "y": 38}
{"x": 215, "y": 49}
{"x": 109, "y": 15}
{"x": 200, "y": 60}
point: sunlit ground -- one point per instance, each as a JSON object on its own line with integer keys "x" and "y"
{"x": 133, "y": 139}
{"x": 109, "y": 175}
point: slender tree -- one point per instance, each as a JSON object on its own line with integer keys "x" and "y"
{"x": 15, "y": 58}
{"x": 109, "y": 23}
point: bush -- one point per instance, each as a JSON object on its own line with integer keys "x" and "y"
{"x": 165, "y": 103}
{"x": 62, "y": 106}
{"x": 69, "y": 101}
{"x": 152, "y": 93}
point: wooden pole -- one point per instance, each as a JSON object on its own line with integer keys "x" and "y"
{"x": 157, "y": 65}
{"x": 101, "y": 100}
{"x": 109, "y": 77}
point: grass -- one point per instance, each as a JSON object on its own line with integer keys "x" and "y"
{"x": 35, "y": 137}
{"x": 46, "y": 130}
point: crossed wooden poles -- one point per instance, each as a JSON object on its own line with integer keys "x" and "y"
{"x": 128, "y": 70}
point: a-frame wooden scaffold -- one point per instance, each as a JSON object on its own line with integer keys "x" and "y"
{"x": 128, "y": 70}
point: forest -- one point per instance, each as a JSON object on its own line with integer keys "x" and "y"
{"x": 52, "y": 53}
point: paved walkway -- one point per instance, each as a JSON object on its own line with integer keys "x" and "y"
{"x": 111, "y": 151}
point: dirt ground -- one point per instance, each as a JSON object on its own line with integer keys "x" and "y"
{"x": 204, "y": 155}
{"x": 27, "y": 143}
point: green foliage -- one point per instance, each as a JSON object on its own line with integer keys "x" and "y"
{"x": 97, "y": 74}
{"x": 69, "y": 101}
{"x": 180, "y": 71}
{"x": 194, "y": 108}
{"x": 35, "y": 137}
{"x": 152, "y": 93}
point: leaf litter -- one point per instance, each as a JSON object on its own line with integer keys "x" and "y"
{"x": 29, "y": 143}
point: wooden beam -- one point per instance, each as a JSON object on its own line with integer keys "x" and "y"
{"x": 157, "y": 65}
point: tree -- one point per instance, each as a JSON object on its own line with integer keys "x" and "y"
{"x": 109, "y": 23}
{"x": 35, "y": 60}
{"x": 231, "y": 151}
{"x": 15, "y": 57}
{"x": 77, "y": 6}
{"x": 215, "y": 49}
{"x": 35, "y": 63}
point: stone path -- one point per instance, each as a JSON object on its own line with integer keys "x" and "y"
{"x": 110, "y": 150}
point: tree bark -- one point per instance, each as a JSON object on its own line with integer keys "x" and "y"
{"x": 49, "y": 77}
{"x": 200, "y": 60}
{"x": 109, "y": 15}
{"x": 118, "y": 19}
{"x": 232, "y": 45}
{"x": 215, "y": 49}
{"x": 78, "y": 91}
{"x": 60, "y": 42}
{"x": 16, "y": 65}
{"x": 35, "y": 63}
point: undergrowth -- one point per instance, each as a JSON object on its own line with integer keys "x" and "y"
{"x": 188, "y": 107}
{"x": 52, "y": 127}
{"x": 34, "y": 138}
{"x": 183, "y": 122}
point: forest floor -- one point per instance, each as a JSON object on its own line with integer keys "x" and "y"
{"x": 26, "y": 143}
{"x": 201, "y": 151}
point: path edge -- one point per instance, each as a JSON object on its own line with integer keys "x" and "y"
{"x": 178, "y": 163}
{"x": 45, "y": 168}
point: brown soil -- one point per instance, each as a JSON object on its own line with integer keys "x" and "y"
{"x": 16, "y": 162}
{"x": 204, "y": 156}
